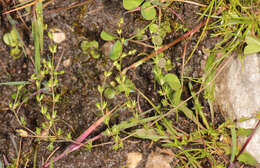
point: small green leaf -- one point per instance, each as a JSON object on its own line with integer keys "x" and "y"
{"x": 15, "y": 52}
{"x": 173, "y": 81}
{"x": 84, "y": 46}
{"x": 116, "y": 50}
{"x": 53, "y": 48}
{"x": 157, "y": 2}
{"x": 94, "y": 54}
{"x": 107, "y": 36}
{"x": 148, "y": 12}
{"x": 198, "y": 107}
{"x": 110, "y": 93}
{"x": 242, "y": 132}
{"x": 8, "y": 39}
{"x": 153, "y": 28}
{"x": 11, "y": 39}
{"x": 190, "y": 115}
{"x": 247, "y": 158}
{"x": 132, "y": 4}
{"x": 90, "y": 48}
{"x": 149, "y": 134}
{"x": 126, "y": 87}
{"x": 13, "y": 96}
{"x": 177, "y": 97}
{"x": 253, "y": 45}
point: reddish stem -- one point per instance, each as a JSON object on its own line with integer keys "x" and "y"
{"x": 189, "y": 33}
{"x": 73, "y": 147}
{"x": 69, "y": 150}
{"x": 245, "y": 145}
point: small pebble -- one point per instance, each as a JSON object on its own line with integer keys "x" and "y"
{"x": 106, "y": 48}
{"x": 58, "y": 36}
{"x": 237, "y": 93}
{"x": 67, "y": 62}
{"x": 133, "y": 159}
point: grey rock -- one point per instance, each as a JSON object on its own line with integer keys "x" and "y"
{"x": 237, "y": 94}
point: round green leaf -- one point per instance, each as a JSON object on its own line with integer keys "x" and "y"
{"x": 148, "y": 12}
{"x": 85, "y": 46}
{"x": 7, "y": 39}
{"x": 173, "y": 81}
{"x": 116, "y": 50}
{"x": 107, "y": 36}
{"x": 132, "y": 4}
{"x": 11, "y": 39}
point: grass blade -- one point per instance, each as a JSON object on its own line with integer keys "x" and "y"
{"x": 15, "y": 83}
{"x": 37, "y": 29}
{"x": 234, "y": 144}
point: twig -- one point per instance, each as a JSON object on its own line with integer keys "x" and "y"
{"x": 177, "y": 15}
{"x": 59, "y": 61}
{"x": 191, "y": 2}
{"x": 22, "y": 7}
{"x": 134, "y": 10}
{"x": 183, "y": 60}
{"x": 70, "y": 7}
{"x": 141, "y": 43}
{"x": 69, "y": 150}
{"x": 52, "y": 153}
{"x": 29, "y": 97}
{"x": 19, "y": 153}
{"x": 20, "y": 16}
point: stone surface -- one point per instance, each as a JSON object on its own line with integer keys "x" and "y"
{"x": 133, "y": 159}
{"x": 159, "y": 159}
{"x": 238, "y": 95}
{"x": 67, "y": 63}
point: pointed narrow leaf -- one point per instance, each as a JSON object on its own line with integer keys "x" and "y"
{"x": 190, "y": 115}
{"x": 149, "y": 134}
{"x": 16, "y": 83}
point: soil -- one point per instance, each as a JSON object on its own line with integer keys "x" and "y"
{"x": 78, "y": 85}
